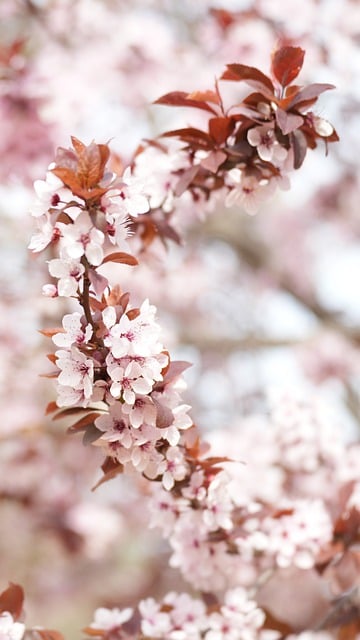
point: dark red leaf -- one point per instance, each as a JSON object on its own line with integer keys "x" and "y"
{"x": 84, "y": 422}
{"x": 182, "y": 99}
{"x": 299, "y": 145}
{"x": 221, "y": 128}
{"x": 196, "y": 138}
{"x": 12, "y": 600}
{"x": 287, "y": 63}
{"x": 164, "y": 415}
{"x": 252, "y": 76}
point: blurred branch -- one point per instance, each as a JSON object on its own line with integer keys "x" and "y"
{"x": 258, "y": 257}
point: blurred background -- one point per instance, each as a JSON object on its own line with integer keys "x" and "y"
{"x": 256, "y": 303}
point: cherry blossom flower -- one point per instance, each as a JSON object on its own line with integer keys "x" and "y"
{"x": 135, "y": 202}
{"x": 115, "y": 426}
{"x": 154, "y": 623}
{"x": 247, "y": 191}
{"x": 10, "y": 630}
{"x": 74, "y": 332}
{"x": 82, "y": 238}
{"x": 175, "y": 467}
{"x": 268, "y": 147}
{"x": 50, "y": 193}
{"x": 110, "y": 619}
{"x": 69, "y": 273}
{"x": 128, "y": 382}
{"x": 77, "y": 371}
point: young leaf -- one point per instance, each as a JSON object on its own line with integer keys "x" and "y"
{"x": 182, "y": 99}
{"x": 123, "y": 258}
{"x": 12, "y": 600}
{"x": 49, "y": 634}
{"x": 252, "y": 76}
{"x": 288, "y": 122}
{"x": 299, "y": 144}
{"x": 84, "y": 422}
{"x": 287, "y": 63}
{"x": 221, "y": 128}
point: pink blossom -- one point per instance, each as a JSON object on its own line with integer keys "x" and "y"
{"x": 10, "y": 630}
{"x": 175, "y": 467}
{"x": 268, "y": 147}
{"x": 109, "y": 619}
{"x": 77, "y": 371}
{"x": 69, "y": 272}
{"x": 247, "y": 191}
{"x": 82, "y": 238}
{"x": 74, "y": 331}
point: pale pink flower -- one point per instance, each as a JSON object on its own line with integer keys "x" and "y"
{"x": 109, "y": 619}
{"x": 82, "y": 238}
{"x": 218, "y": 504}
{"x": 128, "y": 382}
{"x": 248, "y": 191}
{"x": 10, "y": 630}
{"x": 69, "y": 272}
{"x": 47, "y": 232}
{"x": 115, "y": 426}
{"x": 155, "y": 623}
{"x": 143, "y": 410}
{"x": 77, "y": 371}
{"x": 132, "y": 193}
{"x": 74, "y": 332}
{"x": 174, "y": 468}
{"x": 50, "y": 193}
{"x": 268, "y": 147}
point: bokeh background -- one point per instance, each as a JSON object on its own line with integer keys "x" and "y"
{"x": 256, "y": 303}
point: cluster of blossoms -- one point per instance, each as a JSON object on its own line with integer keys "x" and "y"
{"x": 114, "y": 372}
{"x": 109, "y": 356}
{"x": 250, "y": 147}
{"x": 181, "y": 617}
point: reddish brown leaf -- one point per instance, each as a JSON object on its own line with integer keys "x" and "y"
{"x": 111, "y": 469}
{"x": 12, "y": 600}
{"x": 287, "y": 63}
{"x": 204, "y": 96}
{"x": 182, "y": 99}
{"x": 49, "y": 333}
{"x": 51, "y": 407}
{"x": 49, "y": 634}
{"x": 78, "y": 145}
{"x": 221, "y": 128}
{"x": 71, "y": 411}
{"x": 252, "y": 76}
{"x": 123, "y": 258}
{"x": 196, "y": 138}
{"x": 89, "y": 171}
{"x": 96, "y": 633}
{"x": 84, "y": 422}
